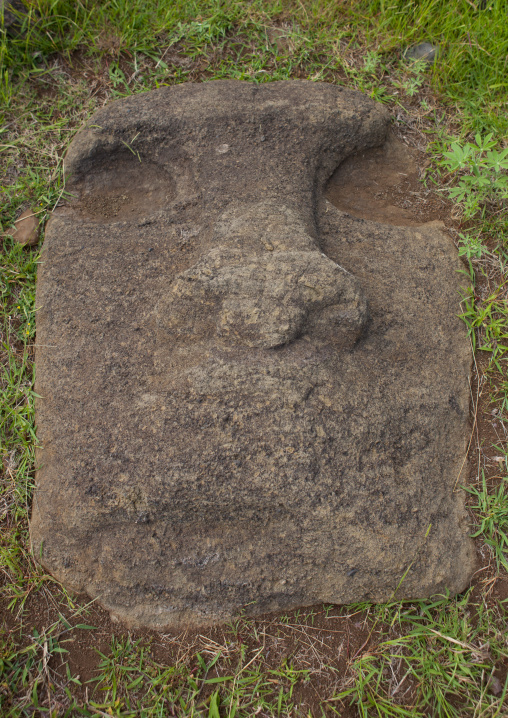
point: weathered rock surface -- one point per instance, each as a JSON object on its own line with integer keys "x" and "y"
{"x": 250, "y": 400}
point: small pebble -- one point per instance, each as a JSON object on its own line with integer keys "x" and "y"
{"x": 26, "y": 228}
{"x": 422, "y": 51}
{"x": 495, "y": 686}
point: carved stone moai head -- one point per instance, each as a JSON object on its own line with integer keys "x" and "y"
{"x": 247, "y": 402}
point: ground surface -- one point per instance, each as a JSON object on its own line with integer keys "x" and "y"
{"x": 441, "y": 658}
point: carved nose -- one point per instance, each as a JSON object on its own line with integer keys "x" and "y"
{"x": 265, "y": 300}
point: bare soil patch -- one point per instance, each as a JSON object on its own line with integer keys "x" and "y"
{"x": 322, "y": 639}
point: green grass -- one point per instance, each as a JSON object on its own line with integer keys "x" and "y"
{"x": 471, "y": 73}
{"x": 425, "y": 659}
{"x": 443, "y": 660}
{"x": 492, "y": 511}
{"x": 473, "y": 41}
{"x": 138, "y": 686}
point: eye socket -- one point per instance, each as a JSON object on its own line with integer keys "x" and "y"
{"x": 122, "y": 186}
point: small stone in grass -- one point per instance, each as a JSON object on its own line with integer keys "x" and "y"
{"x": 26, "y": 228}
{"x": 495, "y": 686}
{"x": 422, "y": 51}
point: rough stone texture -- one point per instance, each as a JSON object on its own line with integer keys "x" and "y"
{"x": 250, "y": 400}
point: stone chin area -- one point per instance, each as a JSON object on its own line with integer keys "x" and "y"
{"x": 251, "y": 400}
